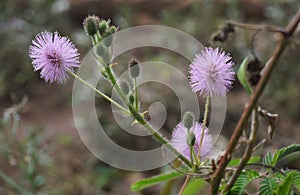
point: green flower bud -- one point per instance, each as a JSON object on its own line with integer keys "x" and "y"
{"x": 104, "y": 27}
{"x": 188, "y": 119}
{"x": 90, "y": 25}
{"x": 134, "y": 68}
{"x": 190, "y": 139}
{"x": 124, "y": 87}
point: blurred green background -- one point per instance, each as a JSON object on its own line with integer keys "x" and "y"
{"x": 39, "y": 146}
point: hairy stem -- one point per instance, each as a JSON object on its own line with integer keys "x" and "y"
{"x": 139, "y": 117}
{"x": 283, "y": 39}
{"x": 115, "y": 84}
{"x": 136, "y": 95}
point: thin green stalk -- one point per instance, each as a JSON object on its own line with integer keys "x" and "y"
{"x": 13, "y": 184}
{"x": 203, "y": 126}
{"x": 195, "y": 157}
{"x": 192, "y": 158}
{"x": 136, "y": 94}
{"x": 99, "y": 59}
{"x": 99, "y": 92}
{"x": 191, "y": 151}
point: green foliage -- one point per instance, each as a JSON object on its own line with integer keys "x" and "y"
{"x": 284, "y": 183}
{"x": 271, "y": 184}
{"x": 236, "y": 161}
{"x": 285, "y": 186}
{"x": 193, "y": 187}
{"x": 243, "y": 180}
{"x": 268, "y": 186}
{"x": 273, "y": 158}
{"x": 296, "y": 180}
{"x": 242, "y": 76}
{"x": 144, "y": 183}
{"x": 278, "y": 183}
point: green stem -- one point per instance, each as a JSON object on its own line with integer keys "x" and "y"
{"x": 191, "y": 151}
{"x": 13, "y": 184}
{"x": 191, "y": 156}
{"x": 99, "y": 59}
{"x": 115, "y": 84}
{"x": 157, "y": 135}
{"x": 99, "y": 92}
{"x": 141, "y": 119}
{"x": 203, "y": 126}
{"x": 136, "y": 95}
{"x": 195, "y": 157}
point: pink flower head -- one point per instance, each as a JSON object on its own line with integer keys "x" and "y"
{"x": 179, "y": 140}
{"x": 53, "y": 55}
{"x": 211, "y": 72}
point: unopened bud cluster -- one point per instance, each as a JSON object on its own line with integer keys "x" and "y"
{"x": 98, "y": 29}
{"x": 90, "y": 25}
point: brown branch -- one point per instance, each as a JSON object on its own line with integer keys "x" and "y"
{"x": 258, "y": 145}
{"x": 184, "y": 184}
{"x": 248, "y": 152}
{"x": 267, "y": 166}
{"x": 283, "y": 39}
{"x": 258, "y": 27}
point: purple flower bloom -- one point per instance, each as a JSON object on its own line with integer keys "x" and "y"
{"x": 179, "y": 139}
{"x": 53, "y": 55}
{"x": 211, "y": 72}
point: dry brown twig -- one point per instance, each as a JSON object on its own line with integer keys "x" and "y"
{"x": 284, "y": 36}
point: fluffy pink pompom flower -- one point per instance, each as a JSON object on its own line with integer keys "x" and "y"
{"x": 211, "y": 72}
{"x": 54, "y": 56}
{"x": 179, "y": 140}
